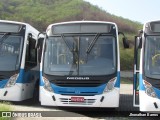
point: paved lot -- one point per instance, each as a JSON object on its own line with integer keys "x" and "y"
{"x": 28, "y": 105}
{"x": 126, "y": 106}
{"x": 126, "y": 89}
{"x": 82, "y": 113}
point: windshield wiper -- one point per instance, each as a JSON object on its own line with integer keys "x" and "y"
{"x": 5, "y": 36}
{"x": 75, "y": 63}
{"x": 93, "y": 43}
{"x": 75, "y": 54}
{"x": 67, "y": 44}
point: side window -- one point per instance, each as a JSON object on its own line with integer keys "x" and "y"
{"x": 31, "y": 52}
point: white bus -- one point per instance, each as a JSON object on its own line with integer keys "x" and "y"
{"x": 18, "y": 60}
{"x": 80, "y": 65}
{"x": 147, "y": 68}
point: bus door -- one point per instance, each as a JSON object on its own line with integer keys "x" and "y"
{"x": 138, "y": 44}
{"x": 31, "y": 71}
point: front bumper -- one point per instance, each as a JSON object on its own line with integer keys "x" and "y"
{"x": 149, "y": 104}
{"x": 108, "y": 99}
{"x": 18, "y": 92}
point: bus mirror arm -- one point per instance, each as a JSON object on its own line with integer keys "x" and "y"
{"x": 125, "y": 41}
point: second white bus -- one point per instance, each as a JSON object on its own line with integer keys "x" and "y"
{"x": 147, "y": 68}
{"x": 18, "y": 60}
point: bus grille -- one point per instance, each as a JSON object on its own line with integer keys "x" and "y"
{"x": 155, "y": 83}
{"x": 2, "y": 77}
{"x": 79, "y": 93}
{"x": 157, "y": 86}
{"x": 78, "y": 83}
{"x": 85, "y": 102}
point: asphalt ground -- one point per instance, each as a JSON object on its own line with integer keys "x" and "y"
{"x": 67, "y": 113}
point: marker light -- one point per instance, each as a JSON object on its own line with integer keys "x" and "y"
{"x": 149, "y": 89}
{"x": 47, "y": 85}
{"x": 12, "y": 81}
{"x": 110, "y": 85}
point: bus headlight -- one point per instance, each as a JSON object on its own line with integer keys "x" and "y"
{"x": 110, "y": 85}
{"x": 12, "y": 81}
{"x": 149, "y": 89}
{"x": 47, "y": 85}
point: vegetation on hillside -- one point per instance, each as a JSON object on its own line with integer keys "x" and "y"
{"x": 41, "y": 13}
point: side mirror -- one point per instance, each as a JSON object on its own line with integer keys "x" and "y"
{"x": 125, "y": 42}
{"x": 138, "y": 42}
{"x": 39, "y": 39}
{"x": 32, "y": 41}
{"x": 39, "y": 45}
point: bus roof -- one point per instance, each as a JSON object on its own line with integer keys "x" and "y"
{"x": 15, "y": 22}
{"x": 152, "y": 26}
{"x": 74, "y": 22}
{"x": 71, "y": 22}
{"x": 152, "y": 21}
{"x": 29, "y": 28}
{"x": 79, "y": 29}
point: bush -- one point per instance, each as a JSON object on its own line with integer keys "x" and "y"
{"x": 126, "y": 59}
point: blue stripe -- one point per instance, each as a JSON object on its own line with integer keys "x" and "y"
{"x": 78, "y": 90}
{"x": 27, "y": 77}
{"x": 41, "y": 83}
{"x": 3, "y": 83}
{"x": 117, "y": 84}
{"x": 141, "y": 85}
{"x": 21, "y": 76}
{"x": 134, "y": 82}
{"x": 157, "y": 91}
{"x": 24, "y": 77}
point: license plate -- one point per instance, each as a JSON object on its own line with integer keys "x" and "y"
{"x": 77, "y": 99}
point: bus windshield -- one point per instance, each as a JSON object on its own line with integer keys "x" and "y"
{"x": 80, "y": 55}
{"x": 10, "y": 52}
{"x": 152, "y": 57}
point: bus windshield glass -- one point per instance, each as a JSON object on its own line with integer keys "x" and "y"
{"x": 10, "y": 52}
{"x": 152, "y": 57}
{"x": 80, "y": 54}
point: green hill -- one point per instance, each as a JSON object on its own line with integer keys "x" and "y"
{"x": 41, "y": 13}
